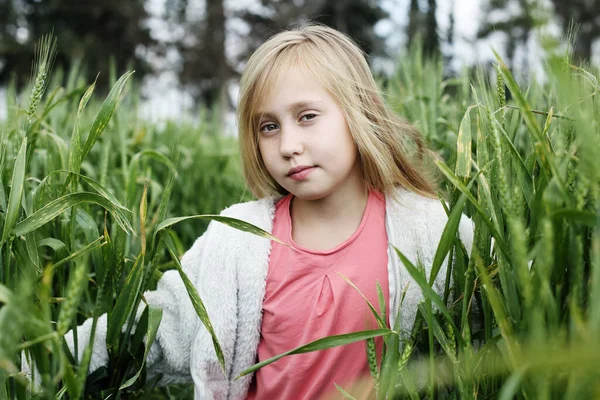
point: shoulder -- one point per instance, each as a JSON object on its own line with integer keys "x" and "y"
{"x": 426, "y": 215}
{"x": 417, "y": 207}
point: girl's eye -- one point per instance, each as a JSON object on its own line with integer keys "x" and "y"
{"x": 308, "y": 117}
{"x": 270, "y": 127}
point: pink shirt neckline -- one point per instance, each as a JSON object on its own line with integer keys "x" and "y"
{"x": 345, "y": 243}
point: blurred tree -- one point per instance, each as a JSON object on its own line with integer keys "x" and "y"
{"x": 205, "y": 70}
{"x": 92, "y": 30}
{"x": 13, "y": 54}
{"x": 585, "y": 14}
{"x": 422, "y": 24}
{"x": 356, "y": 18}
{"x": 415, "y": 21}
{"x": 515, "y": 18}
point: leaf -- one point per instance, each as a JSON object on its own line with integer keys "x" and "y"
{"x": 321, "y": 344}
{"x": 463, "y": 146}
{"x": 523, "y": 176}
{"x": 58, "y": 206}
{"x": 196, "y": 301}
{"x": 105, "y": 113}
{"x": 16, "y": 192}
{"x": 154, "y": 318}
{"x": 380, "y": 321}
{"x": 343, "y": 392}
{"x": 125, "y": 303}
{"x": 96, "y": 244}
{"x": 100, "y": 189}
{"x": 389, "y": 364}
{"x": 460, "y": 186}
{"x": 448, "y": 235}
{"x": 143, "y": 213}
{"x": 495, "y": 301}
{"x": 73, "y": 386}
{"x": 166, "y": 195}
{"x": 381, "y": 300}
{"x": 55, "y": 244}
{"x": 582, "y": 217}
{"x": 440, "y": 335}
{"x": 428, "y": 292}
{"x": 233, "y": 222}
{"x": 90, "y": 230}
{"x": 133, "y": 166}
{"x": 76, "y": 148}
{"x": 5, "y": 294}
{"x": 511, "y": 385}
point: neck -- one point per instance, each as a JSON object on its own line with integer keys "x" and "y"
{"x": 344, "y": 205}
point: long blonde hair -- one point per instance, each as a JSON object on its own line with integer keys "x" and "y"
{"x": 383, "y": 140}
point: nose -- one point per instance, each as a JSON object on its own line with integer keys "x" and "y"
{"x": 290, "y": 140}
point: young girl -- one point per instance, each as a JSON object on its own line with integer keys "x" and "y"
{"x": 329, "y": 164}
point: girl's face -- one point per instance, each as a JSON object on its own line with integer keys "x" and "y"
{"x": 302, "y": 126}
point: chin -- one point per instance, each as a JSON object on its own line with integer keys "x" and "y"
{"x": 309, "y": 195}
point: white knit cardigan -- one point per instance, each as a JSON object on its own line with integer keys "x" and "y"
{"x": 229, "y": 269}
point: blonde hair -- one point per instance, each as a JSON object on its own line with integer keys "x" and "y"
{"x": 380, "y": 136}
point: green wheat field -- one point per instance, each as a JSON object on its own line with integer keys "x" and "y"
{"x": 93, "y": 200}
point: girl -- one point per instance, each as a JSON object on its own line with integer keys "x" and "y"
{"x": 328, "y": 162}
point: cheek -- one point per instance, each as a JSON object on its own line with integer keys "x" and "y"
{"x": 265, "y": 153}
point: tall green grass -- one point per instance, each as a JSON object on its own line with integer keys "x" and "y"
{"x": 88, "y": 191}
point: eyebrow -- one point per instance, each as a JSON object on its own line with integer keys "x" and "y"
{"x": 292, "y": 107}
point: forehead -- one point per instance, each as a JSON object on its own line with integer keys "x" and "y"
{"x": 295, "y": 87}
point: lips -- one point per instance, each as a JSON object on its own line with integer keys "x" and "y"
{"x": 298, "y": 169}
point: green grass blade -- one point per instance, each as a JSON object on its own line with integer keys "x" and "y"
{"x": 60, "y": 205}
{"x": 523, "y": 176}
{"x": 321, "y": 344}
{"x": 463, "y": 146}
{"x": 3, "y": 203}
{"x": 96, "y": 244}
{"x": 90, "y": 230}
{"x": 497, "y": 304}
{"x": 125, "y": 303}
{"x": 389, "y": 365}
{"x": 343, "y": 392}
{"x": 133, "y": 167}
{"x": 196, "y": 300}
{"x": 76, "y": 148}
{"x": 500, "y": 243}
{"x": 16, "y": 192}
{"x": 5, "y": 294}
{"x": 448, "y": 236}
{"x": 381, "y": 301}
{"x": 154, "y": 318}
{"x": 96, "y": 186}
{"x": 428, "y": 292}
{"x": 105, "y": 113}
{"x": 588, "y": 218}
{"x": 380, "y": 320}
{"x": 439, "y": 334}
{"x": 233, "y": 222}
{"x": 166, "y": 195}
{"x": 58, "y": 246}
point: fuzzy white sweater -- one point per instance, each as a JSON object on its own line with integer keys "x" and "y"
{"x": 229, "y": 269}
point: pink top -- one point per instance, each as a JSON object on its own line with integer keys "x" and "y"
{"x": 306, "y": 300}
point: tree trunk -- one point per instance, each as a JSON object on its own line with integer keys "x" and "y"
{"x": 214, "y": 39}
{"x": 414, "y": 16}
